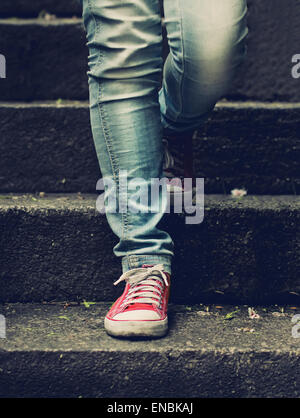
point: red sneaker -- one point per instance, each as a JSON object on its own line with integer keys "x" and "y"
{"x": 142, "y": 308}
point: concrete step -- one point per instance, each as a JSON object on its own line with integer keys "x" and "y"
{"x": 52, "y": 351}
{"x": 29, "y": 8}
{"x": 44, "y": 59}
{"x": 48, "y": 59}
{"x": 58, "y": 247}
{"x": 47, "y": 146}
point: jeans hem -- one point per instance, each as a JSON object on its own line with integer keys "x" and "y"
{"x": 135, "y": 261}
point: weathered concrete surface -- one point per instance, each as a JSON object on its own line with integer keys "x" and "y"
{"x": 45, "y": 59}
{"x": 29, "y": 8}
{"x": 48, "y": 147}
{"x": 48, "y": 60}
{"x": 55, "y": 352}
{"x": 58, "y": 247}
{"x": 250, "y": 145}
{"x": 274, "y": 35}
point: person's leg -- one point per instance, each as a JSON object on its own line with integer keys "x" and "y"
{"x": 125, "y": 65}
{"x": 207, "y": 44}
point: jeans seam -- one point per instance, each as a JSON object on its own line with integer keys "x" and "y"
{"x": 112, "y": 157}
{"x": 183, "y": 64}
{"x": 180, "y": 111}
{"x": 93, "y": 16}
{"x": 106, "y": 133}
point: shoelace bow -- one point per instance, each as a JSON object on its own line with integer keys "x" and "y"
{"x": 146, "y": 285}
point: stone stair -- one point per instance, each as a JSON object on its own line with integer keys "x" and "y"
{"x": 56, "y": 249}
{"x": 52, "y": 351}
{"x": 254, "y": 145}
{"x": 49, "y": 59}
{"x": 60, "y": 248}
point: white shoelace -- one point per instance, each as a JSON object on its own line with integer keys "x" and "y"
{"x": 146, "y": 285}
{"x": 169, "y": 159}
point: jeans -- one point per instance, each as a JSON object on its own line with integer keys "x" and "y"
{"x": 130, "y": 106}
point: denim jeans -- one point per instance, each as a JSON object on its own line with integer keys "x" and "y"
{"x": 130, "y": 107}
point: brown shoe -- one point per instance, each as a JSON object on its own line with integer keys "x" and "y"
{"x": 179, "y": 163}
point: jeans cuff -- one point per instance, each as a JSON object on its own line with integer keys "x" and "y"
{"x": 135, "y": 261}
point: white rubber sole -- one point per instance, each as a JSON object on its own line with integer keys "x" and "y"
{"x": 136, "y": 328}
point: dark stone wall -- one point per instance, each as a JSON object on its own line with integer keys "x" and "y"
{"x": 48, "y": 59}
{"x": 32, "y": 8}
{"x": 50, "y": 148}
{"x": 57, "y": 247}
